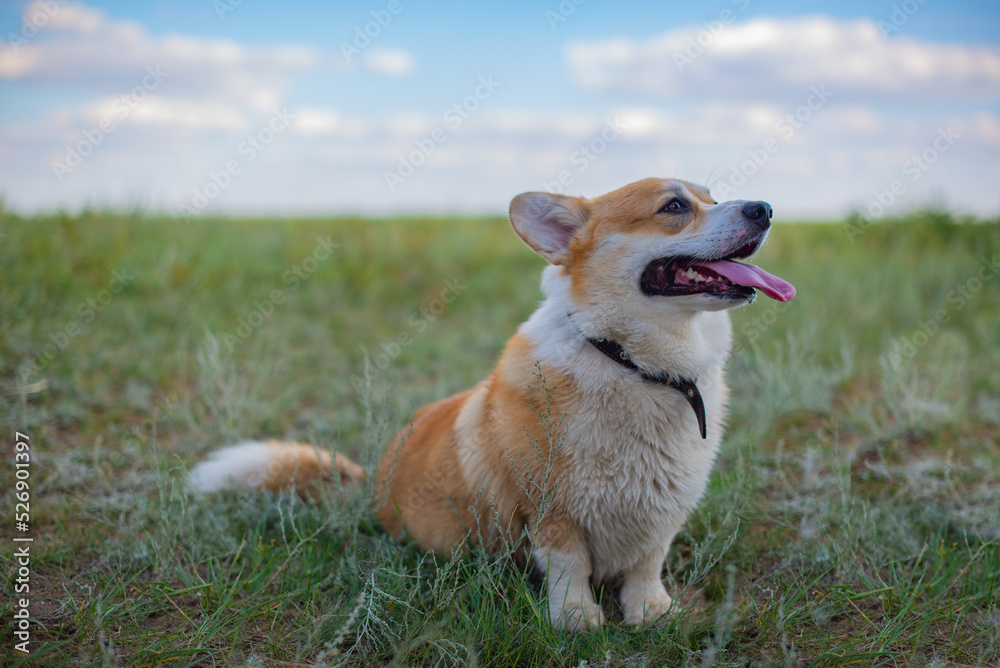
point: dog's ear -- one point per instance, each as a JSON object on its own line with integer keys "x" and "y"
{"x": 547, "y": 222}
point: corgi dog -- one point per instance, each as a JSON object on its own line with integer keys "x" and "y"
{"x": 593, "y": 438}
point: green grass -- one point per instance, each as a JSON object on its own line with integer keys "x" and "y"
{"x": 853, "y": 517}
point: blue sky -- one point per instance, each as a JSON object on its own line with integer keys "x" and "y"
{"x": 253, "y": 107}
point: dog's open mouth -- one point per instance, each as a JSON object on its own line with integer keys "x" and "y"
{"x": 722, "y": 277}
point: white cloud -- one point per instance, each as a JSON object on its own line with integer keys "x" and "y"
{"x": 70, "y": 16}
{"x": 156, "y": 111}
{"x": 333, "y": 160}
{"x": 734, "y": 98}
{"x": 394, "y": 62}
{"x": 987, "y": 127}
{"x": 208, "y": 84}
{"x": 313, "y": 121}
{"x": 765, "y": 58}
{"x": 211, "y": 84}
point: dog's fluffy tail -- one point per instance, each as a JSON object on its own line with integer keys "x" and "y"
{"x": 274, "y": 466}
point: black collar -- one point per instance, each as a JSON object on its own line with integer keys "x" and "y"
{"x": 685, "y": 386}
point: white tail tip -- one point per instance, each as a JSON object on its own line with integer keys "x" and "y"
{"x": 240, "y": 466}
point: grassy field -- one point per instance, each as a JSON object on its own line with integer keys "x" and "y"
{"x": 853, "y": 517}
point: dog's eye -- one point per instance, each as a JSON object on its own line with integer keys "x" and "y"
{"x": 673, "y": 206}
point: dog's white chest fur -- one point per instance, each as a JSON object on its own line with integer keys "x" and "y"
{"x": 636, "y": 462}
{"x": 638, "y": 467}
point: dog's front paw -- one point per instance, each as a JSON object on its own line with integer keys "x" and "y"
{"x": 577, "y": 616}
{"x": 647, "y": 610}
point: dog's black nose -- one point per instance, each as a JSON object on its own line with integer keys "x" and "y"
{"x": 759, "y": 213}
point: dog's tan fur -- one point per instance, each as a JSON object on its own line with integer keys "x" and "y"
{"x": 617, "y": 461}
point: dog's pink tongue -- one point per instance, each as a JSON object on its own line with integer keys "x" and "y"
{"x": 752, "y": 277}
